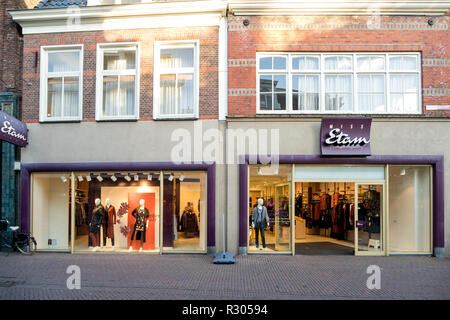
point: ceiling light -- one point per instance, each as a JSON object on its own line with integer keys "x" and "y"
{"x": 99, "y": 178}
{"x": 63, "y": 179}
{"x": 182, "y": 177}
{"x": 80, "y": 178}
{"x": 136, "y": 177}
{"x": 403, "y": 172}
{"x": 149, "y": 177}
{"x": 88, "y": 178}
{"x": 113, "y": 178}
{"x": 127, "y": 177}
{"x": 259, "y": 170}
{"x": 171, "y": 177}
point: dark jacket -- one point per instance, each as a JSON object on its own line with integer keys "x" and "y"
{"x": 98, "y": 215}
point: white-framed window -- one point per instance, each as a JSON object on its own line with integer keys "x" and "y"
{"x": 61, "y": 83}
{"x": 369, "y": 83}
{"x": 117, "y": 95}
{"x": 176, "y": 80}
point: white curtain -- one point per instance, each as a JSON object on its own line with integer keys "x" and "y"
{"x": 371, "y": 93}
{"x": 338, "y": 92}
{"x": 403, "y": 92}
{"x": 71, "y": 97}
{"x": 54, "y": 98}
{"x": 110, "y": 96}
{"x": 167, "y": 95}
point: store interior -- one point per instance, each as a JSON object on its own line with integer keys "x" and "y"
{"x": 120, "y": 212}
{"x": 324, "y": 214}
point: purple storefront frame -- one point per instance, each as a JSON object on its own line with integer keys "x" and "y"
{"x": 438, "y": 184}
{"x": 28, "y": 168}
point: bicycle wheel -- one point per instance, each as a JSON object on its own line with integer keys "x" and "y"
{"x": 25, "y": 248}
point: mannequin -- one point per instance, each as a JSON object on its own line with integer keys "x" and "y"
{"x": 260, "y": 221}
{"x": 108, "y": 223}
{"x": 98, "y": 215}
{"x": 141, "y": 214}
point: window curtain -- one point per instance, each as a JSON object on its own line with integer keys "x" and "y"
{"x": 338, "y": 94}
{"x": 371, "y": 93}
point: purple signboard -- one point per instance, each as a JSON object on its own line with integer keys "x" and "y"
{"x": 345, "y": 137}
{"x": 13, "y": 130}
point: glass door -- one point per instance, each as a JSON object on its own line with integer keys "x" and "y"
{"x": 369, "y": 219}
{"x": 282, "y": 218}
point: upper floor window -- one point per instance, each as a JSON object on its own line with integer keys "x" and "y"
{"x": 338, "y": 83}
{"x": 117, "y": 81}
{"x": 176, "y": 80}
{"x": 61, "y": 83}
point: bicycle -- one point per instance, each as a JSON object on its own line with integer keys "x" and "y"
{"x": 23, "y": 242}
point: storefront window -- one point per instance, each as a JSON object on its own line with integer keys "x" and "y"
{"x": 409, "y": 209}
{"x": 51, "y": 211}
{"x": 120, "y": 211}
{"x": 369, "y": 217}
{"x": 269, "y": 209}
{"x": 184, "y": 211}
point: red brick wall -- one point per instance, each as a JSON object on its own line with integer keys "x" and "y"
{"x": 208, "y": 37}
{"x": 337, "y": 34}
{"x": 10, "y": 49}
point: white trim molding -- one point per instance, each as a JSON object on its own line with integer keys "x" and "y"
{"x": 195, "y": 70}
{"x": 100, "y": 73}
{"x": 45, "y": 75}
{"x": 338, "y": 7}
{"x": 119, "y": 17}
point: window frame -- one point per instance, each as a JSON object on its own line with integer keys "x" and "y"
{"x": 45, "y": 75}
{"x": 101, "y": 47}
{"x": 354, "y": 72}
{"x": 176, "y": 44}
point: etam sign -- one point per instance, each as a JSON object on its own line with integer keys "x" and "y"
{"x": 345, "y": 137}
{"x": 13, "y": 130}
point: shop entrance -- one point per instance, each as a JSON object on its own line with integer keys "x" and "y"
{"x": 324, "y": 218}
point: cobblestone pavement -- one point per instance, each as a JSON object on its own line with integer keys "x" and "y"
{"x": 121, "y": 276}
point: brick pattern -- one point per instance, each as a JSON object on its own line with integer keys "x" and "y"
{"x": 208, "y": 91}
{"x": 194, "y": 277}
{"x": 337, "y": 34}
{"x": 11, "y": 48}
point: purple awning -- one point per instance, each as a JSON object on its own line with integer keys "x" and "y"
{"x": 13, "y": 130}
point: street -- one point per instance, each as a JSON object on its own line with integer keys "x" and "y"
{"x": 123, "y": 276}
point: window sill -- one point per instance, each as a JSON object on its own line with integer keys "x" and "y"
{"x": 335, "y": 115}
{"x": 134, "y": 119}
{"x": 189, "y": 118}
{"x": 59, "y": 121}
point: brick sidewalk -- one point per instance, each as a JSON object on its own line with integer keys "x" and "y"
{"x": 43, "y": 276}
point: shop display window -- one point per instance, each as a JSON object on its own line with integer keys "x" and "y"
{"x": 410, "y": 209}
{"x": 119, "y": 211}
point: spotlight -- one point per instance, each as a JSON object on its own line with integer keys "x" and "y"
{"x": 259, "y": 170}
{"x": 127, "y": 177}
{"x": 149, "y": 177}
{"x": 88, "y": 178}
{"x": 182, "y": 177}
{"x": 136, "y": 177}
{"x": 113, "y": 178}
{"x": 159, "y": 177}
{"x": 99, "y": 178}
{"x": 403, "y": 172}
{"x": 63, "y": 179}
{"x": 171, "y": 177}
{"x": 80, "y": 178}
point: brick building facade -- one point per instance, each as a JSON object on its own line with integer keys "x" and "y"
{"x": 252, "y": 70}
